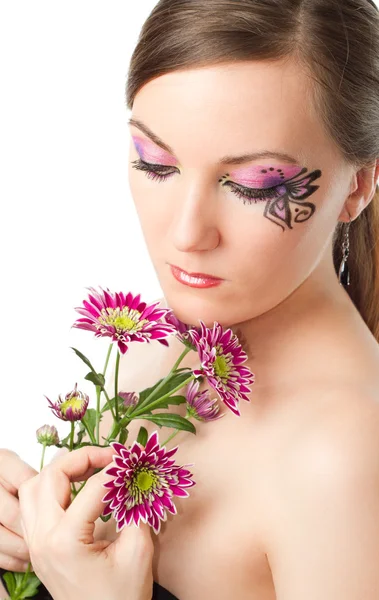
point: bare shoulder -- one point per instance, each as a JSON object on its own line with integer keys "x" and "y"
{"x": 323, "y": 540}
{"x": 344, "y": 435}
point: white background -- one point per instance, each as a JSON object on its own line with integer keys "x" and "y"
{"x": 67, "y": 216}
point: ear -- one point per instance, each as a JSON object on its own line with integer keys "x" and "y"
{"x": 364, "y": 184}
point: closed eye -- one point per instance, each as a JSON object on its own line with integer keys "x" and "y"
{"x": 248, "y": 195}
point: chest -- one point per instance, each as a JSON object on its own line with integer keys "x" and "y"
{"x": 212, "y": 547}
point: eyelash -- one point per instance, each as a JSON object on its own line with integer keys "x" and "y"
{"x": 248, "y": 195}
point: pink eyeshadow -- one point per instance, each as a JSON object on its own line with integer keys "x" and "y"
{"x": 151, "y": 153}
{"x": 263, "y": 176}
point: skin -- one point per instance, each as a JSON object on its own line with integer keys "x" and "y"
{"x": 270, "y": 271}
{"x": 314, "y": 359}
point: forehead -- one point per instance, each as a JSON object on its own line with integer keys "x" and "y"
{"x": 220, "y": 110}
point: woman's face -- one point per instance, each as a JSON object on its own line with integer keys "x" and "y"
{"x": 260, "y": 223}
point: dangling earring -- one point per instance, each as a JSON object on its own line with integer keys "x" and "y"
{"x": 344, "y": 275}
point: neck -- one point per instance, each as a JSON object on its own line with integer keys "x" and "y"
{"x": 289, "y": 340}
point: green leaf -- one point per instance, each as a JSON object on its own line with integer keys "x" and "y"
{"x": 106, "y": 405}
{"x": 105, "y": 519}
{"x": 10, "y": 580}
{"x": 142, "y": 436}
{"x": 123, "y": 436}
{"x": 89, "y": 444}
{"x": 64, "y": 441}
{"x": 178, "y": 378}
{"x": 80, "y": 434}
{"x": 169, "y": 420}
{"x": 175, "y": 400}
{"x": 89, "y": 419}
{"x": 19, "y": 578}
{"x": 84, "y": 358}
{"x": 97, "y": 378}
{"x": 31, "y": 586}
{"x": 113, "y": 403}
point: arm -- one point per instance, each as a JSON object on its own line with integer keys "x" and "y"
{"x": 325, "y": 525}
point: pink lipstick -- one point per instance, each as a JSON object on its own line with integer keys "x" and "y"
{"x": 197, "y": 280}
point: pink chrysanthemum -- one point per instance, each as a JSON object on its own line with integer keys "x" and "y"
{"x": 124, "y": 318}
{"x": 73, "y": 407}
{"x": 221, "y": 358}
{"x": 144, "y": 482}
{"x": 200, "y": 405}
{"x": 129, "y": 399}
{"x": 182, "y": 329}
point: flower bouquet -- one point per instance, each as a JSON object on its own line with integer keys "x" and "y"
{"x": 145, "y": 481}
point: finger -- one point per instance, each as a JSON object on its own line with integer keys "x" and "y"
{"x": 88, "y": 506}
{"x": 10, "y": 512}
{"x": 59, "y": 453}
{"x": 13, "y": 469}
{"x": 30, "y": 507}
{"x": 54, "y": 492}
{"x": 13, "y": 544}
{"x": 8, "y": 486}
{"x": 10, "y": 563}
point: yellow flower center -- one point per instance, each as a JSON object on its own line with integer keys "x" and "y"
{"x": 221, "y": 366}
{"x": 122, "y": 320}
{"x": 124, "y": 323}
{"x": 75, "y": 403}
{"x": 144, "y": 480}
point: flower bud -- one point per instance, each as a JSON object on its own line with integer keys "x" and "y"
{"x": 129, "y": 399}
{"x": 73, "y": 407}
{"x": 47, "y": 435}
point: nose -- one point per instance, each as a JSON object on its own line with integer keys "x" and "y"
{"x": 195, "y": 224}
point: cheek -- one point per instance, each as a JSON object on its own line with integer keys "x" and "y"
{"x": 149, "y": 205}
{"x": 261, "y": 254}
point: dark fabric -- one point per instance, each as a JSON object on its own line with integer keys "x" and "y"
{"x": 159, "y": 592}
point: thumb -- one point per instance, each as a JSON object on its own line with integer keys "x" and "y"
{"x": 137, "y": 541}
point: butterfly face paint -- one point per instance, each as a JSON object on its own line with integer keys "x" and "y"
{"x": 284, "y": 188}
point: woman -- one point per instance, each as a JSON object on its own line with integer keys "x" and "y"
{"x": 254, "y": 169}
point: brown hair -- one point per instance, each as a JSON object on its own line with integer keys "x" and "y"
{"x": 336, "y": 41}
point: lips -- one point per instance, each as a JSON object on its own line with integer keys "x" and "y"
{"x": 196, "y": 280}
{"x": 197, "y": 275}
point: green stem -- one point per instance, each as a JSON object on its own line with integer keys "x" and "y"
{"x": 109, "y": 403}
{"x": 71, "y": 447}
{"x": 72, "y": 435}
{"x": 107, "y": 359}
{"x": 98, "y": 392}
{"x": 42, "y": 457}
{"x": 153, "y": 404}
{"x": 76, "y": 492}
{"x": 163, "y": 382}
{"x": 188, "y": 416}
{"x": 116, "y": 384}
{"x": 170, "y": 437}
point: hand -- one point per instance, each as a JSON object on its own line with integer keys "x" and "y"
{"x": 60, "y": 534}
{"x": 14, "y": 552}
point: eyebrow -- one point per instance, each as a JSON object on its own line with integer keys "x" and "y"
{"x": 225, "y": 160}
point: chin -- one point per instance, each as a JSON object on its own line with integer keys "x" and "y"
{"x": 192, "y": 309}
